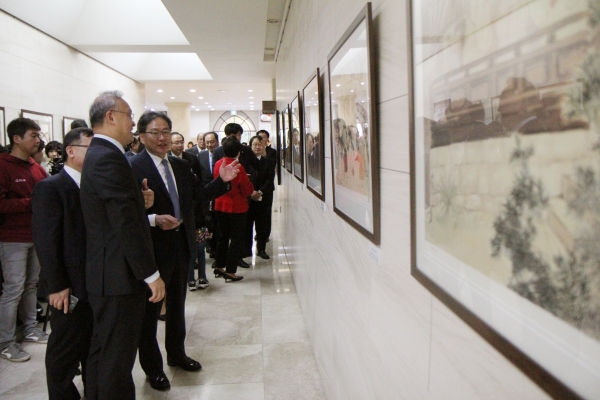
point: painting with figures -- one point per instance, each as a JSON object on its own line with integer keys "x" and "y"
{"x": 353, "y": 128}
{"x": 506, "y": 120}
{"x": 313, "y": 138}
{"x": 297, "y": 147}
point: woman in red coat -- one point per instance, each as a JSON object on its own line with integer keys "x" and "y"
{"x": 231, "y": 209}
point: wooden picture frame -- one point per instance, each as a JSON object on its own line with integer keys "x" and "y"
{"x": 314, "y": 135}
{"x": 278, "y": 141}
{"x": 287, "y": 156}
{"x": 3, "y": 135}
{"x": 509, "y": 258}
{"x": 45, "y": 121}
{"x": 296, "y": 137}
{"x": 354, "y": 130}
{"x": 67, "y": 125}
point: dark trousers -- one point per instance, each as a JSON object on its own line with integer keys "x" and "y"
{"x": 232, "y": 228}
{"x": 68, "y": 345}
{"x": 117, "y": 328}
{"x": 259, "y": 215}
{"x": 175, "y": 283}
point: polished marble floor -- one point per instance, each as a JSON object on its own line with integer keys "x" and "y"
{"x": 249, "y": 336}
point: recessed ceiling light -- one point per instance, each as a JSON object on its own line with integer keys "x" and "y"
{"x": 250, "y": 97}
{"x": 250, "y": 90}
{"x": 251, "y": 102}
{"x": 205, "y": 103}
{"x": 338, "y": 85}
{"x": 193, "y": 90}
{"x": 159, "y": 91}
{"x": 172, "y": 98}
{"x": 145, "y": 107}
{"x": 228, "y": 103}
{"x": 362, "y": 83}
{"x": 200, "y": 97}
{"x": 152, "y": 109}
{"x": 222, "y": 91}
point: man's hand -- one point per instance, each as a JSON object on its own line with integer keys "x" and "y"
{"x": 148, "y": 194}
{"x": 158, "y": 290}
{"x": 228, "y": 172}
{"x": 255, "y": 195}
{"x": 166, "y": 222}
{"x": 60, "y": 300}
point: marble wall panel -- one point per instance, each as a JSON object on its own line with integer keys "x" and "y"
{"x": 394, "y": 151}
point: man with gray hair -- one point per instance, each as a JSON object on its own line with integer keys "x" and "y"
{"x": 199, "y": 147}
{"x": 120, "y": 264}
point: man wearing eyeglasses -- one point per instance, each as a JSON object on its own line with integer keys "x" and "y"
{"x": 119, "y": 262}
{"x": 59, "y": 239}
{"x": 172, "y": 223}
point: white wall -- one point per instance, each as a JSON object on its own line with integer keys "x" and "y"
{"x": 199, "y": 123}
{"x": 376, "y": 332}
{"x": 39, "y": 73}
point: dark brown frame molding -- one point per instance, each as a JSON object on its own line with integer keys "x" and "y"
{"x": 317, "y": 77}
{"x": 300, "y": 127}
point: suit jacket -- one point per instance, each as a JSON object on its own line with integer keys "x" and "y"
{"x": 271, "y": 154}
{"x": 247, "y": 158}
{"x": 193, "y": 161}
{"x": 59, "y": 235}
{"x": 119, "y": 245}
{"x": 204, "y": 161}
{"x": 189, "y": 190}
{"x": 194, "y": 150}
{"x": 263, "y": 180}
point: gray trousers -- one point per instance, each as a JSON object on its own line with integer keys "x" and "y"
{"x": 21, "y": 270}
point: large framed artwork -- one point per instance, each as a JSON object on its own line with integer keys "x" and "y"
{"x": 279, "y": 135}
{"x": 297, "y": 147}
{"x": 287, "y": 156}
{"x": 3, "y": 135}
{"x": 314, "y": 142}
{"x": 354, "y": 149}
{"x": 505, "y": 178}
{"x": 45, "y": 122}
{"x": 67, "y": 125}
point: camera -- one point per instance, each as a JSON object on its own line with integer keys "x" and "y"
{"x": 56, "y": 164}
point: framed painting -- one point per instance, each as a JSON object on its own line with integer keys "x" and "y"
{"x": 354, "y": 147}
{"x": 287, "y": 156}
{"x": 45, "y": 122}
{"x": 67, "y": 125}
{"x": 297, "y": 147}
{"x": 3, "y": 135}
{"x": 505, "y": 176}
{"x": 314, "y": 142}
{"x": 278, "y": 144}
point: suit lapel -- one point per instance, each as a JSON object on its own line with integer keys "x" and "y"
{"x": 151, "y": 172}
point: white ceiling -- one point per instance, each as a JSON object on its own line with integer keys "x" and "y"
{"x": 173, "y": 45}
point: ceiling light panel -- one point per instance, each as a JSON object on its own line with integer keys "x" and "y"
{"x": 87, "y": 22}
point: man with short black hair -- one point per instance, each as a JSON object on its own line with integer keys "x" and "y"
{"x": 19, "y": 173}
{"x": 59, "y": 238}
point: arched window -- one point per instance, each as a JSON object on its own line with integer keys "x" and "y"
{"x": 239, "y": 117}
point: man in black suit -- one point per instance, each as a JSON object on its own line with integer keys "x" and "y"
{"x": 119, "y": 262}
{"x": 199, "y": 147}
{"x": 59, "y": 239}
{"x": 270, "y": 151}
{"x": 211, "y": 139}
{"x": 177, "y": 142}
{"x": 172, "y": 223}
{"x": 261, "y": 200}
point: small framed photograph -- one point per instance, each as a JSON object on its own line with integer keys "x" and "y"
{"x": 314, "y": 142}
{"x": 296, "y": 138}
{"x": 45, "y": 121}
{"x": 354, "y": 155}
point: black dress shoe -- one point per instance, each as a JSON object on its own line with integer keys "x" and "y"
{"x": 243, "y": 264}
{"x": 159, "y": 381}
{"x": 263, "y": 254}
{"x": 186, "y": 363}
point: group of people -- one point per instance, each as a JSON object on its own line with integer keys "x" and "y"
{"x": 111, "y": 235}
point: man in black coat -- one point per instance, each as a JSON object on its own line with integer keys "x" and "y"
{"x": 172, "y": 222}
{"x": 59, "y": 239}
{"x": 177, "y": 143}
{"x": 199, "y": 147}
{"x": 120, "y": 266}
{"x": 246, "y": 158}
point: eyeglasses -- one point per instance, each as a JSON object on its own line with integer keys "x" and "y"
{"x": 157, "y": 133}
{"x": 123, "y": 112}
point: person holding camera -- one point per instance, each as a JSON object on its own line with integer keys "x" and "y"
{"x": 53, "y": 152}
{"x": 59, "y": 237}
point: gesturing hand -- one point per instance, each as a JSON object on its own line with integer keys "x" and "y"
{"x": 228, "y": 172}
{"x": 166, "y": 222}
{"x": 148, "y": 194}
